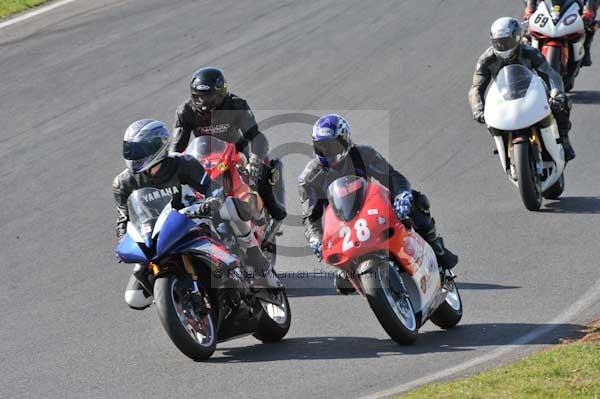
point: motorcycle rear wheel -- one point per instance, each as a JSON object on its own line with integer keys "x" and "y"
{"x": 555, "y": 190}
{"x": 393, "y": 309}
{"x": 529, "y": 181}
{"x": 276, "y": 319}
{"x": 193, "y": 332}
{"x": 449, "y": 313}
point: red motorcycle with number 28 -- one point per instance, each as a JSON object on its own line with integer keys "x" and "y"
{"x": 386, "y": 261}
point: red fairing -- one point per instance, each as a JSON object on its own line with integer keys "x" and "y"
{"x": 375, "y": 229}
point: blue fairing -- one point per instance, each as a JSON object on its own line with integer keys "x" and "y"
{"x": 174, "y": 229}
{"x": 130, "y": 252}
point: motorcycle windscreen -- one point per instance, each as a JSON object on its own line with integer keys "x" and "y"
{"x": 145, "y": 206}
{"x": 203, "y": 147}
{"x": 516, "y": 99}
{"x": 346, "y": 196}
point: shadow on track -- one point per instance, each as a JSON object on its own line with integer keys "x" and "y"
{"x": 580, "y": 205}
{"x": 585, "y": 97}
{"x": 463, "y": 338}
{"x": 321, "y": 284}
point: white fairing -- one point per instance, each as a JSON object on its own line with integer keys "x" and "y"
{"x": 550, "y": 135}
{"x": 578, "y": 49}
{"x": 429, "y": 273}
{"x": 519, "y": 113}
{"x": 570, "y": 23}
{"x": 501, "y": 151}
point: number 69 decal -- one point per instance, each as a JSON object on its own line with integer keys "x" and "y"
{"x": 362, "y": 233}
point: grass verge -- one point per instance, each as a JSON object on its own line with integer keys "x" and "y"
{"x": 567, "y": 370}
{"x": 8, "y": 7}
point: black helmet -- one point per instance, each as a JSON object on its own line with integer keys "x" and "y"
{"x": 145, "y": 144}
{"x": 505, "y": 35}
{"x": 208, "y": 88}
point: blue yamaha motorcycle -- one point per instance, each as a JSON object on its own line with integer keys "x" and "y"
{"x": 196, "y": 273}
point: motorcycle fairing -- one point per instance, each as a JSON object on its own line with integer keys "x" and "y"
{"x": 174, "y": 228}
{"x": 519, "y": 113}
{"x": 129, "y": 251}
{"x": 569, "y": 22}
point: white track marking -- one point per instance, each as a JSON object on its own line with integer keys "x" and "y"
{"x": 591, "y": 296}
{"x": 34, "y": 13}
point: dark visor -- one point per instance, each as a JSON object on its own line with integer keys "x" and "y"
{"x": 134, "y": 151}
{"x": 505, "y": 43}
{"x": 330, "y": 148}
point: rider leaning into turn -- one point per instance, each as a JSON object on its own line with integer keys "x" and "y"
{"x": 145, "y": 149}
{"x": 336, "y": 156}
{"x": 507, "y": 49}
{"x": 589, "y": 19}
{"x": 212, "y": 110}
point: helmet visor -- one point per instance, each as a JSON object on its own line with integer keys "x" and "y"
{"x": 505, "y": 43}
{"x": 134, "y": 151}
{"x": 206, "y": 99}
{"x": 331, "y": 148}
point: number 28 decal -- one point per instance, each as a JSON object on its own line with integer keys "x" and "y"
{"x": 362, "y": 233}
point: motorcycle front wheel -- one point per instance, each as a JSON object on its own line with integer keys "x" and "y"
{"x": 529, "y": 182}
{"x": 185, "y": 318}
{"x": 392, "y": 307}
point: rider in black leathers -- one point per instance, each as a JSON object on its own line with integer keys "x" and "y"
{"x": 363, "y": 161}
{"x": 493, "y": 59}
{"x": 145, "y": 150}
{"x": 212, "y": 110}
{"x": 589, "y": 19}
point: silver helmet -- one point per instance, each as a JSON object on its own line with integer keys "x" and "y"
{"x": 145, "y": 144}
{"x": 505, "y": 35}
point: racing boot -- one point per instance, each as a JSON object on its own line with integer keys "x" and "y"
{"x": 342, "y": 285}
{"x": 569, "y": 151}
{"x": 587, "y": 57}
{"x": 263, "y": 276}
{"x": 136, "y": 296}
{"x": 446, "y": 259}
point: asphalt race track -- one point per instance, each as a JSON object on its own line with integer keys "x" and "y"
{"x": 74, "y": 78}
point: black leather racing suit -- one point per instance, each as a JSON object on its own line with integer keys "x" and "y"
{"x": 232, "y": 122}
{"x": 489, "y": 64}
{"x": 363, "y": 161}
{"x": 174, "y": 172}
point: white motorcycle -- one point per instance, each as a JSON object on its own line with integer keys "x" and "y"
{"x": 526, "y": 134}
{"x": 557, "y": 30}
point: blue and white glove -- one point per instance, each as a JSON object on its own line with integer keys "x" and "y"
{"x": 403, "y": 204}
{"x": 317, "y": 248}
{"x": 255, "y": 166}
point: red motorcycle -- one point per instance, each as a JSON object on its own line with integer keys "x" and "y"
{"x": 386, "y": 261}
{"x": 226, "y": 166}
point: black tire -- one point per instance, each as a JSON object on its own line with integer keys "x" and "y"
{"x": 449, "y": 313}
{"x": 555, "y": 190}
{"x": 166, "y": 295}
{"x": 270, "y": 251}
{"x": 553, "y": 56}
{"x": 381, "y": 297}
{"x": 529, "y": 182}
{"x": 569, "y": 83}
{"x": 269, "y": 330}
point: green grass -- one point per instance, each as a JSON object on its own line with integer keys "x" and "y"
{"x": 563, "y": 371}
{"x": 8, "y": 7}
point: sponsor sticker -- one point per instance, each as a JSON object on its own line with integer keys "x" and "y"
{"x": 372, "y": 212}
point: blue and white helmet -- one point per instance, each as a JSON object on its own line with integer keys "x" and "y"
{"x": 145, "y": 144}
{"x": 331, "y": 139}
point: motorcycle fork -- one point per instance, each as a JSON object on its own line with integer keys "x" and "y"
{"x": 189, "y": 268}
